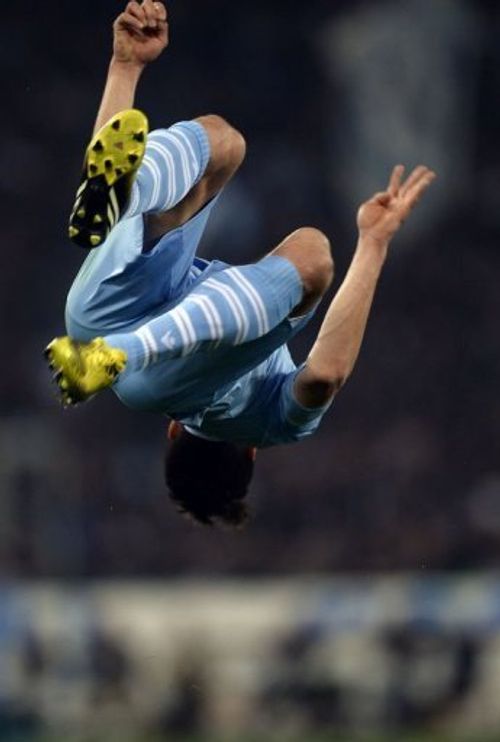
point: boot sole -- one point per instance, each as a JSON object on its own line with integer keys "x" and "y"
{"x": 111, "y": 160}
{"x": 59, "y": 354}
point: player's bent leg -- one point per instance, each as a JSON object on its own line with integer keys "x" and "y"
{"x": 227, "y": 152}
{"x": 233, "y": 306}
{"x": 125, "y": 175}
{"x": 310, "y": 252}
{"x": 237, "y": 305}
{"x": 117, "y": 287}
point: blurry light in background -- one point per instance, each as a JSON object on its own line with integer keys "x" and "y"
{"x": 403, "y": 81}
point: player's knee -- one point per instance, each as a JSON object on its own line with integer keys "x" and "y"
{"x": 227, "y": 145}
{"x": 312, "y": 256}
{"x": 314, "y": 240}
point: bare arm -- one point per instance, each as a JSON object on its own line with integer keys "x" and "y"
{"x": 336, "y": 349}
{"x": 140, "y": 34}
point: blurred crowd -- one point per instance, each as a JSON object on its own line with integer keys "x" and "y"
{"x": 274, "y": 660}
{"x": 405, "y": 472}
{"x": 303, "y": 692}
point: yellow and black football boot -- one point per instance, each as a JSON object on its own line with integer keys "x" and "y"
{"x": 83, "y": 369}
{"x": 111, "y": 161}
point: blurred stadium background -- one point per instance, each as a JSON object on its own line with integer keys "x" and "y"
{"x": 363, "y": 602}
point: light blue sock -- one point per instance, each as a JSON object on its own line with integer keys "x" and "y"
{"x": 231, "y": 307}
{"x": 174, "y": 162}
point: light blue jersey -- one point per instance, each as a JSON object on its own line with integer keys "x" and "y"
{"x": 239, "y": 391}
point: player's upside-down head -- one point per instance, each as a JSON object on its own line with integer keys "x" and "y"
{"x": 208, "y": 480}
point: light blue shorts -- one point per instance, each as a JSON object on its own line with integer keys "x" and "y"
{"x": 120, "y": 286}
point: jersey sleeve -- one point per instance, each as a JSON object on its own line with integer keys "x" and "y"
{"x": 297, "y": 421}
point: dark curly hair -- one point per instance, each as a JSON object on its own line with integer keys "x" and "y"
{"x": 209, "y": 480}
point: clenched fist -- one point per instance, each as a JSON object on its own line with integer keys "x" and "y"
{"x": 140, "y": 33}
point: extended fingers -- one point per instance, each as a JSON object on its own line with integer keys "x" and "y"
{"x": 395, "y": 180}
{"x": 419, "y": 186}
{"x": 414, "y": 177}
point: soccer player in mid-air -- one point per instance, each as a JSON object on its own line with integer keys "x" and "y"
{"x": 203, "y": 342}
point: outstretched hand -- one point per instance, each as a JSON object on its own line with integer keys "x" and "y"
{"x": 381, "y": 216}
{"x": 140, "y": 33}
